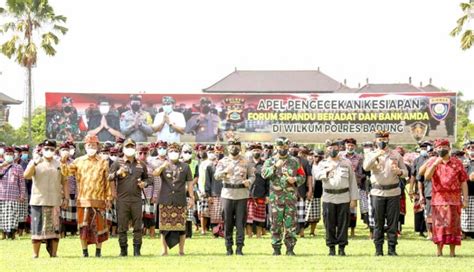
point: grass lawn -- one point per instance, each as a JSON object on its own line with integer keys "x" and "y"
{"x": 207, "y": 253}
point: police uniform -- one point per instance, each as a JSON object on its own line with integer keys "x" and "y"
{"x": 127, "y": 124}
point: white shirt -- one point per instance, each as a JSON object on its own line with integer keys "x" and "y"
{"x": 167, "y": 133}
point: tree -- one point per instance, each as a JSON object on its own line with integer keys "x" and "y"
{"x": 467, "y": 37}
{"x": 465, "y": 129}
{"x": 32, "y": 21}
{"x": 37, "y": 130}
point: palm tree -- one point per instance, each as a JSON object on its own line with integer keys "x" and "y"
{"x": 467, "y": 38}
{"x": 31, "y": 21}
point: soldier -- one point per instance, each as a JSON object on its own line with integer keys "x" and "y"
{"x": 65, "y": 123}
{"x": 132, "y": 176}
{"x": 285, "y": 174}
{"x": 136, "y": 123}
{"x": 237, "y": 175}
{"x": 340, "y": 193}
{"x": 387, "y": 167}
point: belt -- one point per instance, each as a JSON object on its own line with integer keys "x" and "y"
{"x": 233, "y": 186}
{"x": 385, "y": 187}
{"x": 336, "y": 191}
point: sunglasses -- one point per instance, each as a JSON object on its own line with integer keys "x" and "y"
{"x": 188, "y": 152}
{"x": 49, "y": 149}
{"x": 282, "y": 142}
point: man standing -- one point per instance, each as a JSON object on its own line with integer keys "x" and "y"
{"x": 136, "y": 123}
{"x": 12, "y": 193}
{"x": 467, "y": 214}
{"x": 94, "y": 194}
{"x": 387, "y": 167}
{"x": 340, "y": 193}
{"x": 50, "y": 190}
{"x": 285, "y": 174}
{"x": 132, "y": 177}
{"x": 169, "y": 124}
{"x": 237, "y": 175}
{"x": 206, "y": 126}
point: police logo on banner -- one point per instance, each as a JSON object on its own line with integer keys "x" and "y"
{"x": 418, "y": 130}
{"x": 439, "y": 107}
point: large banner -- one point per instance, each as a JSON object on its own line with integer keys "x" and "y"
{"x": 209, "y": 118}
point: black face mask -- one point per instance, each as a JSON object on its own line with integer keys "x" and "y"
{"x": 234, "y": 151}
{"x": 220, "y": 156}
{"x": 333, "y": 153}
{"x": 382, "y": 145}
{"x": 443, "y": 152}
{"x": 257, "y": 156}
{"x": 154, "y": 153}
{"x": 294, "y": 153}
{"x": 203, "y": 155}
{"x": 136, "y": 107}
{"x": 283, "y": 152}
{"x": 67, "y": 109}
{"x": 205, "y": 109}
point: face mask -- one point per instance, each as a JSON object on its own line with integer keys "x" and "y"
{"x": 424, "y": 153}
{"x": 333, "y": 153}
{"x": 8, "y": 158}
{"x": 367, "y": 150}
{"x": 48, "y": 154}
{"x": 104, "y": 156}
{"x": 72, "y": 151}
{"x": 174, "y": 156}
{"x": 187, "y": 156}
{"x": 67, "y": 109}
{"x": 350, "y": 151}
{"x": 257, "y": 156}
{"x": 203, "y": 155}
{"x": 471, "y": 153}
{"x": 91, "y": 151}
{"x": 162, "y": 152}
{"x": 206, "y": 109}
{"x": 129, "y": 152}
{"x": 220, "y": 157}
{"x": 104, "y": 109}
{"x": 64, "y": 153}
{"x": 294, "y": 153}
{"x": 283, "y": 152}
{"x": 2, "y": 151}
{"x": 211, "y": 156}
{"x": 443, "y": 152}
{"x": 16, "y": 155}
{"x": 167, "y": 108}
{"x": 24, "y": 157}
{"x": 113, "y": 158}
{"x": 234, "y": 151}
{"x": 382, "y": 145}
{"x": 135, "y": 107}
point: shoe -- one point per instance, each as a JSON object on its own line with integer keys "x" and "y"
{"x": 238, "y": 251}
{"x": 392, "y": 251}
{"x": 341, "y": 251}
{"x": 123, "y": 251}
{"x": 290, "y": 252}
{"x": 98, "y": 253}
{"x": 136, "y": 250}
{"x": 276, "y": 251}
{"x": 332, "y": 251}
{"x": 85, "y": 253}
{"x": 229, "y": 251}
{"x": 378, "y": 250}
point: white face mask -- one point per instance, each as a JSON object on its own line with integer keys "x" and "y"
{"x": 64, "y": 153}
{"x": 72, "y": 151}
{"x": 187, "y": 156}
{"x": 367, "y": 150}
{"x": 104, "y": 156}
{"x": 48, "y": 154}
{"x": 91, "y": 151}
{"x": 2, "y": 151}
{"x": 174, "y": 156}
{"x": 113, "y": 158}
{"x": 129, "y": 152}
{"x": 168, "y": 108}
{"x": 8, "y": 158}
{"x": 162, "y": 152}
{"x": 104, "y": 109}
{"x": 211, "y": 156}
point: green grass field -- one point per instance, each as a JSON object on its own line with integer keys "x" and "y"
{"x": 206, "y": 253}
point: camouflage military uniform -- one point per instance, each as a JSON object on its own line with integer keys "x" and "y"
{"x": 144, "y": 129}
{"x": 283, "y": 198}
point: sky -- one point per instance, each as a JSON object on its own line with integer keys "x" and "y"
{"x": 184, "y": 46}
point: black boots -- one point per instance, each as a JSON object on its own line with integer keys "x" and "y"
{"x": 332, "y": 251}
{"x": 229, "y": 251}
{"x": 98, "y": 252}
{"x": 276, "y": 251}
{"x": 238, "y": 251}
{"x": 378, "y": 250}
{"x": 85, "y": 253}
{"x": 123, "y": 251}
{"x": 392, "y": 251}
{"x": 290, "y": 252}
{"x": 341, "y": 251}
{"x": 136, "y": 250}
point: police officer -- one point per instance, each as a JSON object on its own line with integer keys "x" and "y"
{"x": 136, "y": 123}
{"x": 131, "y": 176}
{"x": 285, "y": 174}
{"x": 206, "y": 126}
{"x": 340, "y": 193}
{"x": 237, "y": 175}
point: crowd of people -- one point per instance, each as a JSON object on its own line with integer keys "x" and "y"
{"x": 51, "y": 191}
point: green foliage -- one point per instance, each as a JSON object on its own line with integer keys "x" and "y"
{"x": 465, "y": 129}
{"x": 7, "y": 134}
{"x": 38, "y": 128}
{"x": 467, "y": 38}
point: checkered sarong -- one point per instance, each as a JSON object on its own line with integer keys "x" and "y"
{"x": 22, "y": 211}
{"x": 191, "y": 211}
{"x": 371, "y": 213}
{"x": 111, "y": 214}
{"x": 313, "y": 210}
{"x": 69, "y": 214}
{"x": 364, "y": 202}
{"x": 203, "y": 207}
{"x": 9, "y": 214}
{"x": 300, "y": 208}
{"x": 467, "y": 216}
{"x": 215, "y": 210}
{"x": 149, "y": 209}
{"x": 256, "y": 210}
